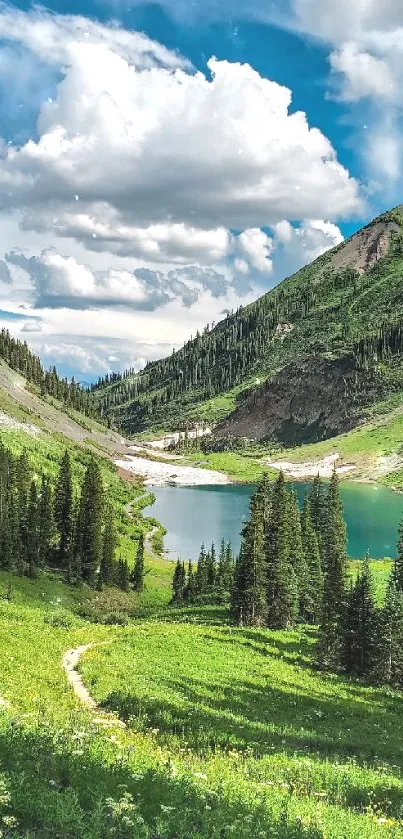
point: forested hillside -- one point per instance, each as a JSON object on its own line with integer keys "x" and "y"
{"x": 332, "y": 309}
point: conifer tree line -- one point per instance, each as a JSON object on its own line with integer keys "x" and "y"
{"x": 386, "y": 343}
{"x": 212, "y": 580}
{"x": 20, "y": 358}
{"x": 56, "y": 525}
{"x": 293, "y": 567}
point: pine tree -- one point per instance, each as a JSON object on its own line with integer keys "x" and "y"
{"x": 330, "y": 634}
{"x": 201, "y": 572}
{"x": 249, "y": 595}
{"x": 311, "y": 596}
{"x": 190, "y": 588}
{"x": 107, "y": 569}
{"x": 398, "y": 570}
{"x": 32, "y": 526}
{"x": 46, "y": 527}
{"x": 178, "y": 582}
{"x": 226, "y": 568}
{"x": 138, "y": 573}
{"x": 123, "y": 575}
{"x": 211, "y": 567}
{"x": 360, "y": 625}
{"x": 297, "y": 554}
{"x": 388, "y": 659}
{"x": 318, "y": 510}
{"x": 88, "y": 543}
{"x": 64, "y": 514}
{"x": 282, "y": 589}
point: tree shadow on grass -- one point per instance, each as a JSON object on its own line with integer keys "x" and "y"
{"x": 54, "y": 792}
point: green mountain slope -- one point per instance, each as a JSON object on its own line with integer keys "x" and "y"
{"x": 319, "y": 314}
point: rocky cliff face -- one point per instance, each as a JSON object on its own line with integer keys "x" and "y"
{"x": 309, "y": 400}
{"x": 367, "y": 246}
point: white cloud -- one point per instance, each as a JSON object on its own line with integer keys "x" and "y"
{"x": 366, "y": 59}
{"x": 364, "y": 74}
{"x": 32, "y": 326}
{"x": 51, "y": 38}
{"x": 297, "y": 246}
{"x": 255, "y": 247}
{"x": 148, "y": 149}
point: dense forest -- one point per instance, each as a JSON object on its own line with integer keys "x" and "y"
{"x": 293, "y": 568}
{"x": 20, "y": 358}
{"x": 319, "y": 310}
{"x": 59, "y": 526}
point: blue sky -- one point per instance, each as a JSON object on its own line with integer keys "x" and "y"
{"x": 163, "y": 163}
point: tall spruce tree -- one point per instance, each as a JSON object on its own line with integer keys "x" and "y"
{"x": 297, "y": 553}
{"x": 123, "y": 575}
{"x": 190, "y": 587}
{"x": 178, "y": 582}
{"x": 398, "y": 569}
{"x": 360, "y": 625}
{"x": 32, "y": 548}
{"x": 249, "y": 595}
{"x": 138, "y": 573}
{"x": 388, "y": 658}
{"x": 201, "y": 578}
{"x": 46, "y": 525}
{"x": 107, "y": 571}
{"x": 318, "y": 511}
{"x": 282, "y": 585}
{"x": 211, "y": 567}
{"x": 312, "y": 593}
{"x": 64, "y": 514}
{"x": 330, "y": 636}
{"x": 88, "y": 542}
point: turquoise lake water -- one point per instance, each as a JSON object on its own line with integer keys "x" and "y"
{"x": 193, "y": 515}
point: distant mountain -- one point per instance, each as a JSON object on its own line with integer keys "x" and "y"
{"x": 303, "y": 362}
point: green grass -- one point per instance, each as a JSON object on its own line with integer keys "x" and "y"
{"x": 278, "y": 749}
{"x": 232, "y": 734}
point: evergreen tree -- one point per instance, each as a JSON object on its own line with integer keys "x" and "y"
{"x": 360, "y": 626}
{"x": 296, "y": 553}
{"x": 123, "y": 575}
{"x": 226, "y": 567}
{"x": 138, "y": 573}
{"x": 201, "y": 578}
{"x": 318, "y": 511}
{"x": 398, "y": 570}
{"x": 32, "y": 547}
{"x": 64, "y": 514}
{"x": 249, "y": 595}
{"x": 190, "y": 587}
{"x": 330, "y": 634}
{"x": 211, "y": 567}
{"x": 178, "y": 582}
{"x": 311, "y": 596}
{"x": 282, "y": 589}
{"x": 46, "y": 527}
{"x": 388, "y": 659}
{"x": 107, "y": 570}
{"x": 88, "y": 548}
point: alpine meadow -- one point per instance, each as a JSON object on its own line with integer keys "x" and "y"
{"x": 201, "y": 419}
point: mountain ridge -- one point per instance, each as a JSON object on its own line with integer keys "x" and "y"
{"x": 323, "y": 310}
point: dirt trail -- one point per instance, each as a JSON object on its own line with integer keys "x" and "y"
{"x": 70, "y": 661}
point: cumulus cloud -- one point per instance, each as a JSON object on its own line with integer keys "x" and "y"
{"x": 5, "y": 276}
{"x": 366, "y": 59}
{"x": 32, "y": 326}
{"x": 156, "y": 161}
{"x": 50, "y": 37}
{"x": 255, "y": 247}
{"x": 62, "y": 282}
{"x": 297, "y": 246}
